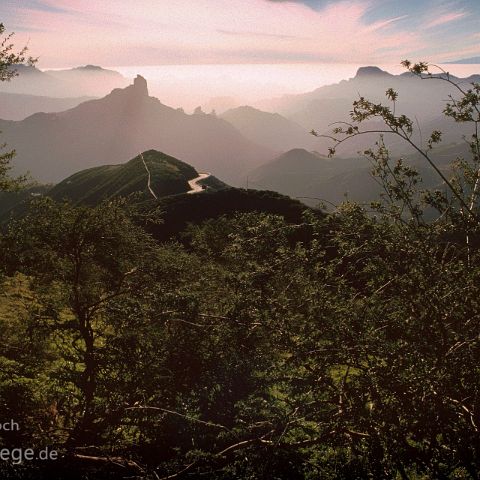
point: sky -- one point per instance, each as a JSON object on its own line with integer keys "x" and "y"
{"x": 65, "y": 33}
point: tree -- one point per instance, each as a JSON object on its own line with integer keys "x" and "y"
{"x": 8, "y": 59}
{"x": 81, "y": 259}
{"x": 428, "y": 355}
{"x": 464, "y": 186}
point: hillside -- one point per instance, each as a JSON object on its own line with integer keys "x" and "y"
{"x": 169, "y": 181}
{"x": 315, "y": 178}
{"x": 115, "y": 128}
{"x": 293, "y": 172}
{"x": 181, "y": 210}
{"x": 269, "y": 129}
{"x": 17, "y": 106}
{"x": 168, "y": 177}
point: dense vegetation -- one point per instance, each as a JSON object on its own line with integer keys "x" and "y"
{"x": 250, "y": 351}
{"x": 351, "y": 355}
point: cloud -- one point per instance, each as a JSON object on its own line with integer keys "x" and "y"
{"x": 260, "y": 34}
{"x": 40, "y": 5}
{"x": 455, "y": 54}
{"x": 121, "y": 32}
{"x": 309, "y": 3}
{"x": 385, "y": 23}
{"x": 444, "y": 19}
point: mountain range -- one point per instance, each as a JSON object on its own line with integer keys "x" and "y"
{"x": 86, "y": 81}
{"x": 169, "y": 178}
{"x": 421, "y": 100}
{"x": 467, "y": 61}
{"x": 314, "y": 178}
{"x": 34, "y": 90}
{"x": 284, "y": 123}
{"x": 242, "y": 146}
{"x": 117, "y": 127}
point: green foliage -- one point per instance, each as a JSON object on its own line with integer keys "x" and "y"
{"x": 83, "y": 258}
{"x": 6, "y": 182}
{"x": 8, "y": 59}
{"x": 180, "y": 210}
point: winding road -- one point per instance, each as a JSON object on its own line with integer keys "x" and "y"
{"x": 195, "y": 186}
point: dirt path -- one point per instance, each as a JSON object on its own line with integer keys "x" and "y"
{"x": 149, "y": 178}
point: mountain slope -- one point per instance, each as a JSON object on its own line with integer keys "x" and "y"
{"x": 314, "y": 178}
{"x": 88, "y": 81}
{"x": 181, "y": 210}
{"x": 293, "y": 172}
{"x": 269, "y": 129}
{"x": 170, "y": 182}
{"x": 421, "y": 100}
{"x": 154, "y": 170}
{"x": 119, "y": 126}
{"x": 168, "y": 176}
{"x": 17, "y": 106}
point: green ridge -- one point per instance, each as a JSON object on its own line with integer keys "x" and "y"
{"x": 169, "y": 176}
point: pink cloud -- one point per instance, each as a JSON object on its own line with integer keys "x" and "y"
{"x": 116, "y": 32}
{"x": 445, "y": 18}
{"x": 385, "y": 23}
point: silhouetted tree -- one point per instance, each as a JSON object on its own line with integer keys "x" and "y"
{"x": 8, "y": 59}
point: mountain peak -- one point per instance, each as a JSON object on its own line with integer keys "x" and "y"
{"x": 363, "y": 72}
{"x": 137, "y": 91}
{"x": 140, "y": 86}
{"x": 89, "y": 67}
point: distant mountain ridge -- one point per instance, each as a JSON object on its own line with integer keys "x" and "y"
{"x": 269, "y": 129}
{"x": 17, "y": 106}
{"x": 89, "y": 81}
{"x": 294, "y": 172}
{"x": 115, "y": 128}
{"x": 314, "y": 178}
{"x": 422, "y": 100}
{"x": 371, "y": 71}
